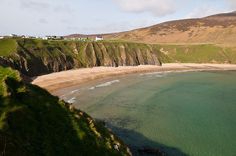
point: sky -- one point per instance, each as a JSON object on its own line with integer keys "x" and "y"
{"x": 63, "y": 17}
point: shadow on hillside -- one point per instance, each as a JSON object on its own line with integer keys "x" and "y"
{"x": 143, "y": 142}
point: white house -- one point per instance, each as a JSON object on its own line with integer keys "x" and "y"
{"x": 25, "y": 36}
{"x": 45, "y": 38}
{"x": 1, "y": 37}
{"x": 13, "y": 35}
{"x": 98, "y": 38}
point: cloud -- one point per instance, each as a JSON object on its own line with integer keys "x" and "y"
{"x": 63, "y": 8}
{"x": 46, "y": 5}
{"x": 33, "y": 4}
{"x": 115, "y": 26}
{"x": 156, "y": 7}
{"x": 43, "y": 21}
{"x": 232, "y": 3}
{"x": 204, "y": 11}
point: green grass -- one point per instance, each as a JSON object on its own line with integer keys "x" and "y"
{"x": 4, "y": 74}
{"x": 33, "y": 122}
{"x": 7, "y": 47}
{"x": 204, "y": 53}
{"x": 231, "y": 54}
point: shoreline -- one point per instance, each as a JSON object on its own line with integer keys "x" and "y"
{"x": 65, "y": 79}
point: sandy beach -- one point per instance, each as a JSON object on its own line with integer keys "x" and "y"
{"x": 64, "y": 79}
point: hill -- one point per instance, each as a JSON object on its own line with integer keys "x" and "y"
{"x": 215, "y": 29}
{"x": 33, "y": 122}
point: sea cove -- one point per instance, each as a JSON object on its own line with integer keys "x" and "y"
{"x": 183, "y": 113}
{"x": 118, "y": 78}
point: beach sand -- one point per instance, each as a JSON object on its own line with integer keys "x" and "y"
{"x": 55, "y": 81}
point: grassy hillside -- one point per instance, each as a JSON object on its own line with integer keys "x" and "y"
{"x": 33, "y": 122}
{"x": 204, "y": 53}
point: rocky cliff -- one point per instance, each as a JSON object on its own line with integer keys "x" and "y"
{"x": 36, "y": 57}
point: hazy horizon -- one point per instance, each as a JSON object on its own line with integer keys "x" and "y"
{"x": 61, "y": 17}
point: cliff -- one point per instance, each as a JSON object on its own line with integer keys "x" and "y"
{"x": 34, "y": 57}
{"x": 33, "y": 122}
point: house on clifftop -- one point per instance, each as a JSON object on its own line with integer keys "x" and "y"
{"x": 98, "y": 38}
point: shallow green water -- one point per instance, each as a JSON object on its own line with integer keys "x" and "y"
{"x": 191, "y": 113}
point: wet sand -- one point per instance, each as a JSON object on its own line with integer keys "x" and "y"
{"x": 64, "y": 79}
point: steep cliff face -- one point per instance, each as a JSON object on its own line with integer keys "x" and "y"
{"x": 37, "y": 57}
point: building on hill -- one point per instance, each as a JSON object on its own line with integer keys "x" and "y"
{"x": 51, "y": 37}
{"x": 77, "y": 39}
{"x": 98, "y": 38}
{"x": 45, "y": 38}
{"x": 32, "y": 37}
{"x": 10, "y": 36}
{"x": 13, "y": 35}
{"x": 1, "y": 37}
{"x": 25, "y": 36}
{"x": 54, "y": 38}
{"x": 60, "y": 38}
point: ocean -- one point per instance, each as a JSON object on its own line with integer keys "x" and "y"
{"x": 182, "y": 113}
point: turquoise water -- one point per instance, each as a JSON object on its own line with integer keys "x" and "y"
{"x": 192, "y": 113}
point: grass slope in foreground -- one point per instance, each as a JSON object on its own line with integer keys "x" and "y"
{"x": 33, "y": 122}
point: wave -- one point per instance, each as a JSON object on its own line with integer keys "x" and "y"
{"x": 72, "y": 100}
{"x": 74, "y": 91}
{"x": 154, "y": 74}
{"x": 164, "y": 73}
{"x": 91, "y": 88}
{"x": 69, "y": 93}
{"x": 105, "y": 84}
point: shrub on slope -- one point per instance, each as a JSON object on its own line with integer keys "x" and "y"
{"x": 33, "y": 122}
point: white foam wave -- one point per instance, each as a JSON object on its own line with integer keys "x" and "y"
{"x": 91, "y": 88}
{"x": 164, "y": 73}
{"x": 104, "y": 84}
{"x": 154, "y": 74}
{"x": 72, "y": 100}
{"x": 69, "y": 93}
{"x": 107, "y": 83}
{"x": 158, "y": 75}
{"x": 74, "y": 91}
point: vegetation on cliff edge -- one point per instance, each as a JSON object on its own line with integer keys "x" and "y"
{"x": 33, "y": 122}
